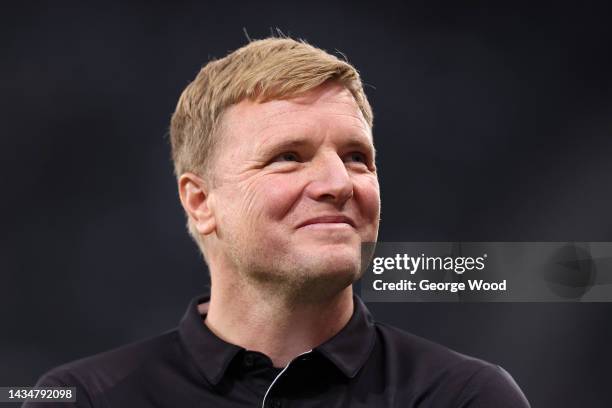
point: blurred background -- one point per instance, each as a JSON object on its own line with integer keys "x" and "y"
{"x": 491, "y": 124}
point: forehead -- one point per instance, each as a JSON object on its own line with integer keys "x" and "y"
{"x": 329, "y": 107}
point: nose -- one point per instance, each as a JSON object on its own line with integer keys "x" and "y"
{"x": 330, "y": 180}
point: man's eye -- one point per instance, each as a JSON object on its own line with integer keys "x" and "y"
{"x": 287, "y": 156}
{"x": 357, "y": 157}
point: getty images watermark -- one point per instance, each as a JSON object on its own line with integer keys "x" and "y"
{"x": 487, "y": 272}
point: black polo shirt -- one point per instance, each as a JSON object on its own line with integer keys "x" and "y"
{"x": 367, "y": 364}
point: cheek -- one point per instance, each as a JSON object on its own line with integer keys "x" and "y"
{"x": 273, "y": 196}
{"x": 367, "y": 194}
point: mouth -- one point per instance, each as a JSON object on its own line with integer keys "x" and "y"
{"x": 328, "y": 220}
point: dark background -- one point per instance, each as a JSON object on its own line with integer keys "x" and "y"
{"x": 492, "y": 124}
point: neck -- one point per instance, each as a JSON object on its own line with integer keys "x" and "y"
{"x": 278, "y": 327}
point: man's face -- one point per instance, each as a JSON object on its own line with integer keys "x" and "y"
{"x": 296, "y": 190}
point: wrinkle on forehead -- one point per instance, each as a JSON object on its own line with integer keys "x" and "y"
{"x": 335, "y": 96}
{"x": 302, "y": 124}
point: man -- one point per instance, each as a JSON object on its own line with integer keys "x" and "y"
{"x": 275, "y": 162}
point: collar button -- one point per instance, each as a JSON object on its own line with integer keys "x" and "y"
{"x": 248, "y": 360}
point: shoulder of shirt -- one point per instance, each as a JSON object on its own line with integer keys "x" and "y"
{"x": 422, "y": 351}
{"x": 433, "y": 363}
{"x": 95, "y": 374}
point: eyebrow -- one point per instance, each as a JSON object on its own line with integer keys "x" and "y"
{"x": 271, "y": 146}
{"x": 301, "y": 142}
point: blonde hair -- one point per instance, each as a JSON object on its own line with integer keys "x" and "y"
{"x": 271, "y": 68}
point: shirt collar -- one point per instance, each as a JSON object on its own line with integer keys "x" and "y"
{"x": 211, "y": 354}
{"x": 348, "y": 350}
{"x": 351, "y": 347}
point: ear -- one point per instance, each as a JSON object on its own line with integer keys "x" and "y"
{"x": 194, "y": 196}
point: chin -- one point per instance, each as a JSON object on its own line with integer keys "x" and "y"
{"x": 312, "y": 275}
{"x": 334, "y": 261}
{"x": 324, "y": 275}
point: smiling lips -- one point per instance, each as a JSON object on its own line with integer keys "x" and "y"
{"x": 329, "y": 220}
